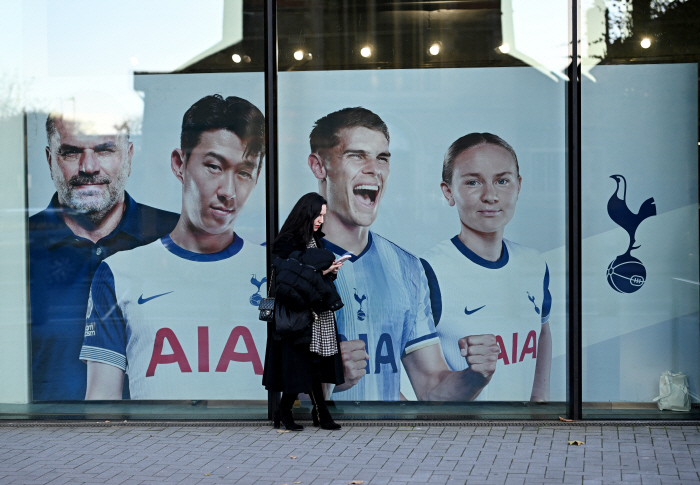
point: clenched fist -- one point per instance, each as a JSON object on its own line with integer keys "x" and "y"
{"x": 481, "y": 352}
{"x": 354, "y": 362}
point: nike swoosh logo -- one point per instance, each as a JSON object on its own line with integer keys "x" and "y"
{"x": 469, "y": 312}
{"x": 143, "y": 300}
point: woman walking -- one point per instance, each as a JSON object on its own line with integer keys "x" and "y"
{"x": 303, "y": 282}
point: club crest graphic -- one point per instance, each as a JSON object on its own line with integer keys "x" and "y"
{"x": 532, "y": 300}
{"x": 256, "y": 297}
{"x": 360, "y": 313}
{"x": 626, "y": 274}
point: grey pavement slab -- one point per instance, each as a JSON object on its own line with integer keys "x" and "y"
{"x": 376, "y": 455}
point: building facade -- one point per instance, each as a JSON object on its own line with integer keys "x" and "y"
{"x": 516, "y": 182}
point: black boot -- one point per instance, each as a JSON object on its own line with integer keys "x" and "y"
{"x": 283, "y": 413}
{"x": 320, "y": 414}
{"x": 285, "y": 416}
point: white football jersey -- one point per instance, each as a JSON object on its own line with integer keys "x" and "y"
{"x": 182, "y": 325}
{"x": 508, "y": 298}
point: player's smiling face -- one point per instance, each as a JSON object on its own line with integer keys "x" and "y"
{"x": 485, "y": 187}
{"x": 216, "y": 182}
{"x": 357, "y": 170}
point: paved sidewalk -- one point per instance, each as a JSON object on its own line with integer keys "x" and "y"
{"x": 248, "y": 455}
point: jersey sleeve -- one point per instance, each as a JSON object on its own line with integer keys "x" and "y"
{"x": 421, "y": 332}
{"x": 105, "y": 327}
{"x": 547, "y": 298}
{"x": 434, "y": 290}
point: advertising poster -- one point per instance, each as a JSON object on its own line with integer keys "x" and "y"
{"x": 139, "y": 288}
{"x": 640, "y": 229}
{"x": 417, "y": 297}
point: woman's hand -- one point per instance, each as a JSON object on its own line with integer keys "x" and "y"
{"x": 333, "y": 268}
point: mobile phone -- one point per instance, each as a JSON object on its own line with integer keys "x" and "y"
{"x": 342, "y": 259}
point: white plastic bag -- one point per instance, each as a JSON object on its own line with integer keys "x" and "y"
{"x": 673, "y": 392}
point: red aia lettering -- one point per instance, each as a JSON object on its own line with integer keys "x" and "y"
{"x": 530, "y": 347}
{"x": 229, "y": 354}
{"x": 502, "y": 354}
{"x": 203, "y": 349}
{"x": 158, "y": 357}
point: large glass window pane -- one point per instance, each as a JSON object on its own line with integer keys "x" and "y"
{"x": 449, "y": 258}
{"x": 640, "y": 208}
{"x": 146, "y": 225}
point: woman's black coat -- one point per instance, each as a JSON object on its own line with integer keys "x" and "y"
{"x": 300, "y": 283}
{"x": 288, "y": 361}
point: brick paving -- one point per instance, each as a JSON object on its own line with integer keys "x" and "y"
{"x": 389, "y": 455}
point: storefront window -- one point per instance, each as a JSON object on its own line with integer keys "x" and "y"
{"x": 146, "y": 224}
{"x": 640, "y": 207}
{"x": 445, "y": 180}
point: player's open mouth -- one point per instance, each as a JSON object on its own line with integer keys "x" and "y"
{"x": 366, "y": 194}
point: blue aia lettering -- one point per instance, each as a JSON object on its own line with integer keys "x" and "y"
{"x": 383, "y": 355}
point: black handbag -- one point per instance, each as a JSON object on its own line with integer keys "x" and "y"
{"x": 267, "y": 305}
{"x": 288, "y": 322}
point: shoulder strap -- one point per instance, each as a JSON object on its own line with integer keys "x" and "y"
{"x": 271, "y": 283}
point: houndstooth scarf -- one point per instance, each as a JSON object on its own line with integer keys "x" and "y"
{"x": 323, "y": 340}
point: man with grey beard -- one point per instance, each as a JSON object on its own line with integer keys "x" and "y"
{"x": 90, "y": 217}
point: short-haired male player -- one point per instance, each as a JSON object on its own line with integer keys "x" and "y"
{"x": 173, "y": 314}
{"x": 90, "y": 217}
{"x": 485, "y": 286}
{"x": 387, "y": 313}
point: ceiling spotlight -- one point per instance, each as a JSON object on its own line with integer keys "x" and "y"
{"x": 645, "y": 43}
{"x": 236, "y": 58}
{"x": 134, "y": 61}
{"x": 434, "y": 49}
{"x": 504, "y": 48}
{"x": 365, "y": 52}
{"x": 299, "y": 55}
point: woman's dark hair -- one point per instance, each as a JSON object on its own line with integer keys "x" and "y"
{"x": 300, "y": 221}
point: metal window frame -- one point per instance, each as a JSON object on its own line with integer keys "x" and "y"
{"x": 271, "y": 150}
{"x": 574, "y": 398}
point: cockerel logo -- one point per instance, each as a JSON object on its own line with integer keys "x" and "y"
{"x": 360, "y": 313}
{"x": 532, "y": 300}
{"x": 626, "y": 274}
{"x": 256, "y": 297}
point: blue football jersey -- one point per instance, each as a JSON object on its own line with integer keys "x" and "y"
{"x": 387, "y": 305}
